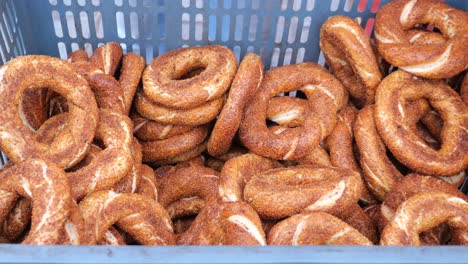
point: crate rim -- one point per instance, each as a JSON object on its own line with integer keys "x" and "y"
{"x": 232, "y": 254}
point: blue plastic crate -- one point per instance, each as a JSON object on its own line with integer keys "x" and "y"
{"x": 281, "y": 32}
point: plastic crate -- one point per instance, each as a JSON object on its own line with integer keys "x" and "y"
{"x": 281, "y": 32}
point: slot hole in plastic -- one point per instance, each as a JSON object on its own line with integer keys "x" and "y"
{"x": 279, "y": 30}
{"x": 85, "y": 25}
{"x": 62, "y": 50}
{"x": 198, "y": 27}
{"x": 135, "y": 32}
{"x": 57, "y": 24}
{"x": 185, "y": 26}
{"x": 253, "y": 28}
{"x": 98, "y": 26}
{"x": 292, "y": 30}
{"x": 120, "y": 23}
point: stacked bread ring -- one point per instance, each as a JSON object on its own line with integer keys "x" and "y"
{"x": 205, "y": 152}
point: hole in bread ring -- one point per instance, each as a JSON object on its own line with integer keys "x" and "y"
{"x": 400, "y": 87}
{"x": 164, "y": 81}
{"x": 325, "y": 94}
{"x": 111, "y": 164}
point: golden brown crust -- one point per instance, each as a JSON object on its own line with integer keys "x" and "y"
{"x": 141, "y": 217}
{"x": 341, "y": 147}
{"x": 173, "y": 146}
{"x": 78, "y": 55}
{"x": 358, "y": 219}
{"x": 148, "y": 186}
{"x": 17, "y": 140}
{"x": 349, "y": 54}
{"x": 440, "y": 60}
{"x": 189, "y": 185}
{"x": 464, "y": 89}
{"x": 317, "y": 228}
{"x": 130, "y": 76}
{"x": 246, "y": 81}
{"x": 199, "y": 115}
{"x": 107, "y": 57}
{"x": 130, "y": 182}
{"x": 162, "y": 85}
{"x": 408, "y": 186}
{"x": 400, "y": 87}
{"x": 324, "y": 92}
{"x": 287, "y": 111}
{"x": 193, "y": 153}
{"x": 224, "y": 223}
{"x": 423, "y": 211}
{"x": 34, "y": 107}
{"x": 149, "y": 130}
{"x": 110, "y": 165}
{"x": 106, "y": 88}
{"x": 379, "y": 172}
{"x": 282, "y": 192}
{"x": 47, "y": 187}
{"x": 17, "y": 220}
{"x": 238, "y": 171}
{"x": 112, "y": 237}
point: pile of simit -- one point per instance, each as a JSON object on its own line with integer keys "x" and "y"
{"x": 207, "y": 153}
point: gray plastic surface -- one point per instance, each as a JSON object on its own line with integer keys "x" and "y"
{"x": 281, "y": 32}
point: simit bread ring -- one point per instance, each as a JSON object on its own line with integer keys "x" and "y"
{"x": 162, "y": 83}
{"x": 355, "y": 216}
{"x": 173, "y": 146}
{"x": 141, "y": 217}
{"x": 107, "y": 57}
{"x": 282, "y": 192}
{"x": 193, "y": 153}
{"x": 423, "y": 211}
{"x": 246, "y": 82}
{"x": 111, "y": 164}
{"x": 17, "y": 140}
{"x": 341, "y": 147}
{"x": 409, "y": 186}
{"x": 33, "y": 107}
{"x": 130, "y": 75}
{"x": 326, "y": 95}
{"x": 187, "y": 182}
{"x": 400, "y": 87}
{"x": 237, "y": 171}
{"x": 149, "y": 130}
{"x": 77, "y": 56}
{"x": 75, "y": 231}
{"x": 442, "y": 60}
{"x": 112, "y": 238}
{"x": 17, "y": 220}
{"x": 47, "y": 187}
{"x": 130, "y": 183}
{"x": 224, "y": 223}
{"x": 106, "y": 88}
{"x": 317, "y": 228}
{"x": 349, "y": 54}
{"x": 464, "y": 89}
{"x": 199, "y": 115}
{"x": 148, "y": 186}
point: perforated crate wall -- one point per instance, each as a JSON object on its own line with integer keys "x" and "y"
{"x": 280, "y": 31}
